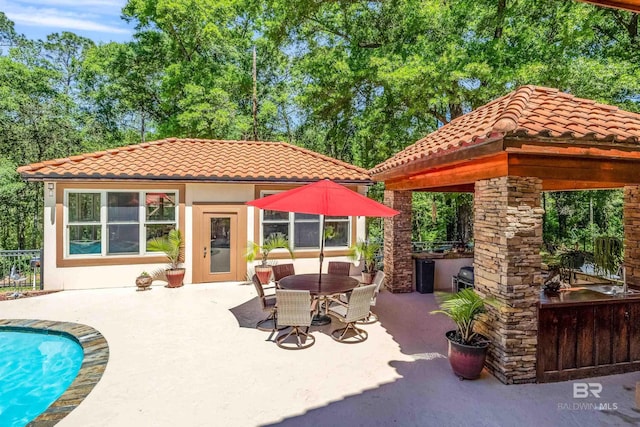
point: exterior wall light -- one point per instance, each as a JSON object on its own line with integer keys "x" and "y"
{"x": 50, "y": 186}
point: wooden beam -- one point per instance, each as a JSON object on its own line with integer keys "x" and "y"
{"x": 448, "y": 158}
{"x": 562, "y": 185}
{"x": 462, "y": 174}
{"x": 576, "y": 149}
{"x": 600, "y": 173}
{"x": 462, "y": 188}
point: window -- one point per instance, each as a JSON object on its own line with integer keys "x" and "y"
{"x": 160, "y": 214}
{"x": 85, "y": 230}
{"x": 123, "y": 223}
{"x": 117, "y": 222}
{"x": 305, "y": 228}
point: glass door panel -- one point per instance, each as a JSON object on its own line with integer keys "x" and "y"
{"x": 218, "y": 234}
{"x": 220, "y": 244}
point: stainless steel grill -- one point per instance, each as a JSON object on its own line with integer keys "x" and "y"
{"x": 464, "y": 279}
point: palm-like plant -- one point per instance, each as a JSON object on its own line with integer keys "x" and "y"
{"x": 463, "y": 308}
{"x": 367, "y": 251}
{"x": 171, "y": 245}
{"x": 274, "y": 241}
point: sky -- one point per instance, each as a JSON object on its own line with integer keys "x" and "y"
{"x": 98, "y": 20}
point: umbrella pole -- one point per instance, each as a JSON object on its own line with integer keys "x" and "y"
{"x": 321, "y": 252}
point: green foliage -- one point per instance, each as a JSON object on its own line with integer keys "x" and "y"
{"x": 172, "y": 246}
{"x": 574, "y": 219}
{"x": 442, "y": 217}
{"x": 463, "y": 308}
{"x": 274, "y": 241}
{"x": 356, "y": 80}
{"x": 365, "y": 250}
{"x": 607, "y": 254}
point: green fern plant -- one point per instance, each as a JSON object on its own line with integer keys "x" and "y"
{"x": 463, "y": 308}
{"x": 274, "y": 241}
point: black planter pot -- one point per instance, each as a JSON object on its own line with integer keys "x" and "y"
{"x": 466, "y": 361}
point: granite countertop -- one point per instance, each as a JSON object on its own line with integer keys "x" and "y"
{"x": 583, "y": 296}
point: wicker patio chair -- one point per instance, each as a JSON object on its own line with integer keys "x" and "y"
{"x": 356, "y": 309}
{"x": 339, "y": 267}
{"x": 282, "y": 270}
{"x": 378, "y": 280}
{"x": 295, "y": 309}
{"x": 268, "y": 304}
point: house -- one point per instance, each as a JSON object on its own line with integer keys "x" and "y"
{"x": 101, "y": 208}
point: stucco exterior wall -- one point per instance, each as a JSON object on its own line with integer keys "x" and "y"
{"x": 112, "y": 276}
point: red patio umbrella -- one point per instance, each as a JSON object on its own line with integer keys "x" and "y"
{"x": 323, "y": 198}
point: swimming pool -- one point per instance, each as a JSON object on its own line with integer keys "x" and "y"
{"x": 35, "y": 369}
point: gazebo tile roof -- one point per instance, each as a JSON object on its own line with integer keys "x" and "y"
{"x": 528, "y": 112}
{"x": 200, "y": 159}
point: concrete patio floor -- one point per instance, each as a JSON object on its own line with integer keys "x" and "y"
{"x": 189, "y": 357}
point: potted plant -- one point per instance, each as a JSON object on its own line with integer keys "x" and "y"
{"x": 366, "y": 251}
{"x": 171, "y": 245}
{"x": 467, "y": 349}
{"x": 143, "y": 281}
{"x": 274, "y": 241}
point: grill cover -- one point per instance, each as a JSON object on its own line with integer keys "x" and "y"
{"x": 466, "y": 274}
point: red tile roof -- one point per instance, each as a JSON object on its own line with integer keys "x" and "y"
{"x": 200, "y": 160}
{"x": 528, "y": 112}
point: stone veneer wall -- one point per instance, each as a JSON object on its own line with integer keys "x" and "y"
{"x": 632, "y": 234}
{"x": 507, "y": 241}
{"x": 398, "y": 264}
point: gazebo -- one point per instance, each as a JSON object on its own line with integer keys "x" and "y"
{"x": 507, "y": 152}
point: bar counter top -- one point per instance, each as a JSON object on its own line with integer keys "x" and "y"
{"x": 582, "y": 296}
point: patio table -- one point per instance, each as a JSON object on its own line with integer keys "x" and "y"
{"x": 331, "y": 284}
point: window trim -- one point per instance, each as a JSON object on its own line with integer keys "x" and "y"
{"x": 59, "y": 218}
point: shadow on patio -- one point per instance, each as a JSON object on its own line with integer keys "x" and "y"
{"x": 428, "y": 393}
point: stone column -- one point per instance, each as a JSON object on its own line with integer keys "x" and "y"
{"x": 507, "y": 240}
{"x": 398, "y": 264}
{"x": 632, "y": 234}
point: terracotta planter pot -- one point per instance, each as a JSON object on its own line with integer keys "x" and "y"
{"x": 143, "y": 283}
{"x": 466, "y": 361}
{"x": 263, "y": 273}
{"x": 367, "y": 278}
{"x": 175, "y": 277}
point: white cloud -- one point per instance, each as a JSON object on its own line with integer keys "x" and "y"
{"x": 54, "y": 19}
{"x": 101, "y": 16}
{"x": 111, "y": 5}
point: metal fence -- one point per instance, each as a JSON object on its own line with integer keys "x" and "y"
{"x": 435, "y": 246}
{"x": 21, "y": 269}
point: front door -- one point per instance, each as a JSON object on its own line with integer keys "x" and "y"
{"x": 217, "y": 251}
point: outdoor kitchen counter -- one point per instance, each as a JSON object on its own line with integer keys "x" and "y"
{"x": 447, "y": 265}
{"x": 581, "y": 297}
{"x": 583, "y": 333}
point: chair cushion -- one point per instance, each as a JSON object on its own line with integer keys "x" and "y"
{"x": 338, "y": 309}
{"x": 270, "y": 301}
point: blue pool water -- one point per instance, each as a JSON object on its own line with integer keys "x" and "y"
{"x": 35, "y": 369}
